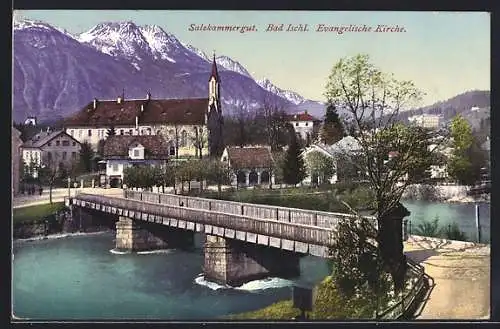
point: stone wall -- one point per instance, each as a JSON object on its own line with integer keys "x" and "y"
{"x": 133, "y": 235}
{"x": 234, "y": 262}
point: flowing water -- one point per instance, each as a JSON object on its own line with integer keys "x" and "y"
{"x": 82, "y": 277}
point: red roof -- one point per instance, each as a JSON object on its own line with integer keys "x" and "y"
{"x": 249, "y": 157}
{"x": 117, "y": 146}
{"x": 300, "y": 117}
{"x": 168, "y": 111}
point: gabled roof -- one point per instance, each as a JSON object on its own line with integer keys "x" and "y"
{"x": 249, "y": 157}
{"x": 347, "y": 144}
{"x": 215, "y": 72}
{"x": 43, "y": 137}
{"x": 168, "y": 111}
{"x": 117, "y": 146}
{"x": 300, "y": 117}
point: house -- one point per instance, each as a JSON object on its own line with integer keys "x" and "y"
{"x": 250, "y": 165}
{"x": 122, "y": 151}
{"x": 30, "y": 121}
{"x": 50, "y": 148}
{"x": 16, "y": 159}
{"x": 303, "y": 124}
{"x": 430, "y": 121}
{"x": 195, "y": 124}
{"x": 347, "y": 146}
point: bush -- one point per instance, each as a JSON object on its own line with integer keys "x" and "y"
{"x": 432, "y": 229}
{"x": 283, "y": 310}
{"x": 453, "y": 232}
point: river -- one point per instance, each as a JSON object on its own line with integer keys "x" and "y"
{"x": 463, "y": 214}
{"x": 79, "y": 277}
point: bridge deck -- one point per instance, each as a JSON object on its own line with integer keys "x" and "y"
{"x": 298, "y": 237}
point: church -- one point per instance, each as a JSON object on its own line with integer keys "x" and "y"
{"x": 192, "y": 126}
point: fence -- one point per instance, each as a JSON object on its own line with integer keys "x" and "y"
{"x": 408, "y": 302}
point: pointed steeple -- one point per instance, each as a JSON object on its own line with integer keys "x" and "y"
{"x": 215, "y": 73}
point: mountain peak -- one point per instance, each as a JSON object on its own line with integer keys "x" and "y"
{"x": 292, "y": 96}
{"x": 231, "y": 65}
{"x": 28, "y": 24}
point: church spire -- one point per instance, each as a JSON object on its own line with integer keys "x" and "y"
{"x": 215, "y": 73}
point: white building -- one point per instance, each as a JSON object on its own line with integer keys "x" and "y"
{"x": 430, "y": 121}
{"x": 124, "y": 151}
{"x": 303, "y": 124}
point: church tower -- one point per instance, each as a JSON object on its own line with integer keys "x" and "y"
{"x": 214, "y": 114}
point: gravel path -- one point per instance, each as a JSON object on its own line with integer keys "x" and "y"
{"x": 461, "y": 273}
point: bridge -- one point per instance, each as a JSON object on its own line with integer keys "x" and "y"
{"x": 243, "y": 241}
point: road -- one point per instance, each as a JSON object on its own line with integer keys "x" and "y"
{"x": 59, "y": 194}
{"x": 461, "y": 274}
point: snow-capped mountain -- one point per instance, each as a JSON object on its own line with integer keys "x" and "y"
{"x": 55, "y": 73}
{"x": 287, "y": 94}
{"x": 232, "y": 65}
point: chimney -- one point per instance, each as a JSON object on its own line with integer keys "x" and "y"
{"x": 95, "y": 103}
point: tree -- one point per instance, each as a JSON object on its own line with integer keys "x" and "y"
{"x": 218, "y": 172}
{"x": 86, "y": 157}
{"x": 467, "y": 158}
{"x": 47, "y": 175}
{"x": 373, "y": 101}
{"x": 320, "y": 167}
{"x": 275, "y": 122}
{"x": 294, "y": 169}
{"x": 332, "y": 130}
{"x": 200, "y": 141}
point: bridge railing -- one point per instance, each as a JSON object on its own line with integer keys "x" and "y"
{"x": 282, "y": 214}
{"x": 271, "y": 228}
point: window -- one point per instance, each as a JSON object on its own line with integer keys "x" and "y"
{"x": 58, "y": 143}
{"x": 90, "y": 132}
{"x": 115, "y": 167}
{"x": 172, "y": 150}
{"x": 130, "y": 132}
{"x": 149, "y": 131}
{"x": 296, "y": 124}
{"x": 121, "y": 131}
{"x": 74, "y": 143}
{"x": 184, "y": 138}
{"x": 64, "y": 155}
{"x": 79, "y": 133}
{"x": 73, "y": 155}
{"x": 65, "y": 143}
{"x": 307, "y": 124}
{"x": 71, "y": 132}
{"x": 136, "y": 153}
{"x": 109, "y": 165}
{"x": 49, "y": 144}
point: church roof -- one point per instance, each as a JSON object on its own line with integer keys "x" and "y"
{"x": 300, "y": 117}
{"x": 167, "y": 111}
{"x": 117, "y": 146}
{"x": 215, "y": 72}
{"x": 249, "y": 157}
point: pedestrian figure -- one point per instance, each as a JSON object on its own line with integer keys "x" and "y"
{"x": 40, "y": 190}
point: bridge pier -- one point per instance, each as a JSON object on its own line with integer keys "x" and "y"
{"x": 132, "y": 235}
{"x": 234, "y": 262}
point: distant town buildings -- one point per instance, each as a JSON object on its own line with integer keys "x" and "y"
{"x": 122, "y": 151}
{"x": 16, "y": 159}
{"x": 30, "y": 121}
{"x": 52, "y": 149}
{"x": 474, "y": 109}
{"x": 430, "y": 121}
{"x": 303, "y": 124}
{"x": 194, "y": 124}
{"x": 250, "y": 165}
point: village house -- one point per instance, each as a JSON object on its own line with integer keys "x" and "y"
{"x": 347, "y": 146}
{"x": 250, "y": 165}
{"x": 50, "y": 148}
{"x": 303, "y": 124}
{"x": 121, "y": 151}
{"x": 195, "y": 124}
{"x": 16, "y": 159}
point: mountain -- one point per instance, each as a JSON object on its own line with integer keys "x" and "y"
{"x": 232, "y": 65}
{"x": 55, "y": 73}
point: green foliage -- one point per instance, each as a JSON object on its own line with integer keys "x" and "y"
{"x": 34, "y": 214}
{"x": 429, "y": 228}
{"x": 461, "y": 133}
{"x": 283, "y": 310}
{"x": 144, "y": 176}
{"x": 433, "y": 229}
{"x": 294, "y": 169}
{"x": 332, "y": 130}
{"x": 453, "y": 232}
{"x": 86, "y": 157}
{"x": 320, "y": 166}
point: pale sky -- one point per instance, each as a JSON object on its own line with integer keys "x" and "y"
{"x": 444, "y": 53}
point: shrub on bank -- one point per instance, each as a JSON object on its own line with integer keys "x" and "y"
{"x": 283, "y": 310}
{"x": 37, "y": 213}
{"x": 434, "y": 230}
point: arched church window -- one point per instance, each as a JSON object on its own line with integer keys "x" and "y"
{"x": 184, "y": 138}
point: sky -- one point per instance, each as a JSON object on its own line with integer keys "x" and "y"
{"x": 444, "y": 53}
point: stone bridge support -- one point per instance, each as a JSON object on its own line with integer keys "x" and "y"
{"x": 132, "y": 235}
{"x": 234, "y": 262}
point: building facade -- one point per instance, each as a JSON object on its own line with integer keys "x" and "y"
{"x": 303, "y": 124}
{"x": 50, "y": 148}
{"x": 192, "y": 123}
{"x": 121, "y": 152}
{"x": 249, "y": 165}
{"x": 430, "y": 121}
{"x": 16, "y": 159}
